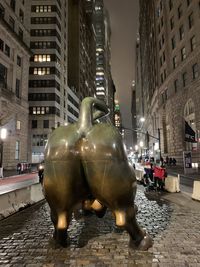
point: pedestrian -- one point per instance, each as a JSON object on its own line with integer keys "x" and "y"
{"x": 170, "y": 161}
{"x": 167, "y": 160}
{"x": 161, "y": 161}
{"x": 174, "y": 162}
{"x": 19, "y": 168}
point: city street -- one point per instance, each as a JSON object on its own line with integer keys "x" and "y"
{"x": 25, "y": 238}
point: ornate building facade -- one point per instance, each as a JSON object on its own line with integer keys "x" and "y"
{"x": 169, "y": 79}
{"x": 14, "y": 63}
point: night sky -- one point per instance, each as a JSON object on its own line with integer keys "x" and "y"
{"x": 124, "y": 26}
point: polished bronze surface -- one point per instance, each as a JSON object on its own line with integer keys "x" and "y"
{"x": 87, "y": 160}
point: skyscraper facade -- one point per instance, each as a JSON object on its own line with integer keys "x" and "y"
{"x": 51, "y": 102}
{"x": 104, "y": 86}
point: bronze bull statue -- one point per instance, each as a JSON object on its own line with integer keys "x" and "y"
{"x": 88, "y": 158}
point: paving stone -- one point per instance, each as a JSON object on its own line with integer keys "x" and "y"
{"x": 26, "y": 238}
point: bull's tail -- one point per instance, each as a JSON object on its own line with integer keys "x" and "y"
{"x": 91, "y": 109}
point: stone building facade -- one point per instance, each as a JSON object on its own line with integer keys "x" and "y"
{"x": 14, "y": 63}
{"x": 173, "y": 45}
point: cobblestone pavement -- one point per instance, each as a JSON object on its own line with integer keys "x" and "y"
{"x": 25, "y": 238}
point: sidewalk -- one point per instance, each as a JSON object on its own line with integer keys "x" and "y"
{"x": 13, "y": 181}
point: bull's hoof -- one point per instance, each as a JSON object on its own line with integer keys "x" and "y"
{"x": 143, "y": 245}
{"x": 101, "y": 213}
{"x": 60, "y": 237}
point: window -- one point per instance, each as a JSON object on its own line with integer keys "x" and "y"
{"x": 161, "y": 78}
{"x": 7, "y": 50}
{"x": 41, "y": 9}
{"x": 159, "y": 28}
{"x": 19, "y": 61}
{"x": 12, "y": 23}
{"x": 193, "y": 43}
{"x": 3, "y": 75}
{"x": 180, "y": 11}
{"x": 44, "y": 110}
{"x": 21, "y": 33}
{"x": 21, "y": 16}
{"x": 173, "y": 40}
{"x": 170, "y": 4}
{"x": 174, "y": 62}
{"x": 39, "y": 139}
{"x": 42, "y": 58}
{"x": 172, "y": 23}
{"x": 17, "y": 89}
{"x": 2, "y": 11}
{"x": 161, "y": 20}
{"x": 164, "y": 56}
{"x": 175, "y": 85}
{"x": 17, "y": 149}
{"x": 160, "y": 44}
{"x": 184, "y": 77}
{"x": 195, "y": 71}
{"x": 190, "y": 20}
{"x": 1, "y": 45}
{"x": 165, "y": 74}
{"x": 41, "y": 71}
{"x": 12, "y": 4}
{"x": 46, "y": 124}
{"x": 34, "y": 124}
{"x": 18, "y": 125}
{"x": 183, "y": 53}
{"x": 181, "y": 32}
{"x": 161, "y": 61}
{"x": 163, "y": 39}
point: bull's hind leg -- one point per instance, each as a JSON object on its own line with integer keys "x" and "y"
{"x": 61, "y": 223}
{"x": 138, "y": 238}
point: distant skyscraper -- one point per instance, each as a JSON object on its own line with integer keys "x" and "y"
{"x": 81, "y": 47}
{"x": 169, "y": 61}
{"x": 14, "y": 63}
{"x": 117, "y": 116}
{"x": 104, "y": 86}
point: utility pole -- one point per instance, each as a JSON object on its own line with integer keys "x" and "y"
{"x": 159, "y": 144}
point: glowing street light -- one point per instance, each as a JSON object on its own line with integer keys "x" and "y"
{"x": 141, "y": 143}
{"x": 3, "y": 135}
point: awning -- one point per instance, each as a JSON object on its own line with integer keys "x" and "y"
{"x": 189, "y": 133}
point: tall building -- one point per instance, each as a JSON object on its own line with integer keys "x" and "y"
{"x": 81, "y": 47}
{"x": 51, "y": 102}
{"x": 169, "y": 62}
{"x": 134, "y": 117}
{"x": 14, "y": 63}
{"x": 117, "y": 116}
{"x": 104, "y": 85}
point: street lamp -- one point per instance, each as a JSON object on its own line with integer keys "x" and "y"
{"x": 3, "y": 135}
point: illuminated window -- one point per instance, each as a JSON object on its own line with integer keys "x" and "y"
{"x": 193, "y": 43}
{"x": 18, "y": 125}
{"x": 41, "y": 71}
{"x": 17, "y": 149}
{"x": 183, "y": 53}
{"x": 195, "y": 71}
{"x": 42, "y": 58}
